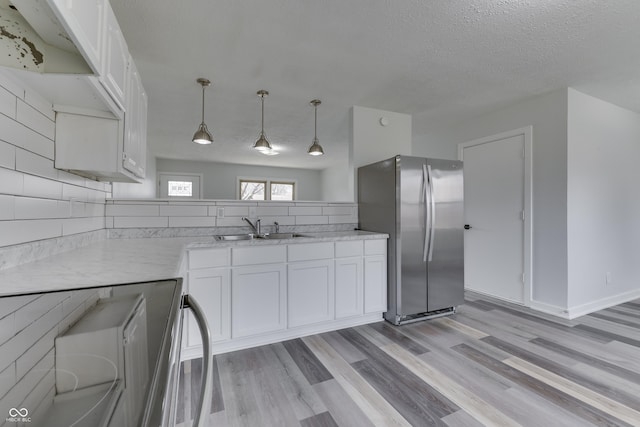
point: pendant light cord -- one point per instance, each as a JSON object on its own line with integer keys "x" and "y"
{"x": 203, "y": 104}
{"x": 262, "y": 97}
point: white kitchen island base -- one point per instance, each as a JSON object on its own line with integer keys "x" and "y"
{"x": 267, "y": 292}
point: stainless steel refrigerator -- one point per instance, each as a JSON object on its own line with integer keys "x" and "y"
{"x": 419, "y": 203}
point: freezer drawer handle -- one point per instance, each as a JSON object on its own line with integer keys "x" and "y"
{"x": 200, "y": 419}
{"x": 467, "y": 227}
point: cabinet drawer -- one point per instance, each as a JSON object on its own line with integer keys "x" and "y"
{"x": 258, "y": 255}
{"x": 346, "y": 249}
{"x": 208, "y": 258}
{"x": 375, "y": 247}
{"x": 309, "y": 251}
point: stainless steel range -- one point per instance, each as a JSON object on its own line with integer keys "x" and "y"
{"x": 105, "y": 356}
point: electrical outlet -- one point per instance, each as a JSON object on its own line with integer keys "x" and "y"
{"x": 607, "y": 278}
{"x": 220, "y": 213}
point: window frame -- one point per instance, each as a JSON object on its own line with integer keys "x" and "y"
{"x": 268, "y": 182}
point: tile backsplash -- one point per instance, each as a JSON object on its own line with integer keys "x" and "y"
{"x": 171, "y": 218}
{"x": 37, "y": 201}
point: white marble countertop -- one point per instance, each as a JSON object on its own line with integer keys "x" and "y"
{"x": 114, "y": 261}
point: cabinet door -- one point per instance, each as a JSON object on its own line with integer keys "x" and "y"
{"x": 258, "y": 299}
{"x": 134, "y": 124}
{"x": 375, "y": 283}
{"x": 84, "y": 21}
{"x": 136, "y": 362}
{"x": 310, "y": 292}
{"x": 115, "y": 60}
{"x": 142, "y": 133}
{"x": 211, "y": 289}
{"x": 349, "y": 284}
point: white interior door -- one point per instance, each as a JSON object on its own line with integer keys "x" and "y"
{"x": 494, "y": 205}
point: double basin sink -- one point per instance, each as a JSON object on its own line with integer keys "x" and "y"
{"x": 250, "y": 236}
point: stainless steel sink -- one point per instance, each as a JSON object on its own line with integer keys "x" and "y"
{"x": 281, "y": 235}
{"x": 247, "y": 236}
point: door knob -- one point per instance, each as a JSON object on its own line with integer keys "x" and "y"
{"x": 467, "y": 226}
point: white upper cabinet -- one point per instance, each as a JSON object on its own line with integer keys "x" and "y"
{"x": 113, "y": 97}
{"x": 84, "y": 21}
{"x": 135, "y": 125}
{"x": 115, "y": 60}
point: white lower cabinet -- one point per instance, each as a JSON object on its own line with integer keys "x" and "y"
{"x": 254, "y": 295}
{"x": 375, "y": 283}
{"x": 310, "y": 292}
{"x": 349, "y": 287}
{"x": 211, "y": 288}
{"x": 258, "y": 299}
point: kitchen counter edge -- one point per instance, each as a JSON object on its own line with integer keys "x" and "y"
{"x": 117, "y": 261}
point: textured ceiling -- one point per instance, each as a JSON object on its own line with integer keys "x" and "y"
{"x": 435, "y": 60}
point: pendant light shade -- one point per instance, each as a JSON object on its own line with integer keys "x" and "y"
{"x": 262, "y": 144}
{"x": 202, "y": 135}
{"x": 315, "y": 149}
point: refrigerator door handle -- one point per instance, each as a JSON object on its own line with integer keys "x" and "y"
{"x": 201, "y": 414}
{"x": 427, "y": 225}
{"x": 432, "y": 214}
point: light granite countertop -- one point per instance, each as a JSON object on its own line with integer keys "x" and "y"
{"x": 114, "y": 261}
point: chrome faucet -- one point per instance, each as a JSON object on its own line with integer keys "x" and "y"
{"x": 255, "y": 227}
{"x": 277, "y": 226}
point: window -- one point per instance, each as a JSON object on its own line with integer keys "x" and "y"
{"x": 257, "y": 189}
{"x": 282, "y": 190}
{"x": 252, "y": 190}
{"x": 180, "y": 189}
{"x": 179, "y": 185}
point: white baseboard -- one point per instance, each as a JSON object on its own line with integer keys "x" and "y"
{"x": 554, "y": 310}
{"x": 283, "y": 335}
{"x": 583, "y": 309}
{"x": 590, "y": 307}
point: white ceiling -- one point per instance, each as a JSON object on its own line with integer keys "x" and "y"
{"x": 436, "y": 60}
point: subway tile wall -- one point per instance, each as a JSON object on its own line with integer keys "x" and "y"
{"x": 123, "y": 214}
{"x": 37, "y": 201}
{"x": 28, "y": 328}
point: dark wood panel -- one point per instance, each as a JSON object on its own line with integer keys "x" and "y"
{"x": 217, "y": 403}
{"x": 321, "y": 420}
{"x": 313, "y": 370}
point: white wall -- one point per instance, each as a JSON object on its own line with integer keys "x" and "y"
{"x": 335, "y": 184}
{"x": 372, "y": 141}
{"x": 603, "y": 209}
{"x": 220, "y": 179}
{"x": 37, "y": 201}
{"x": 144, "y": 190}
{"x": 547, "y": 114}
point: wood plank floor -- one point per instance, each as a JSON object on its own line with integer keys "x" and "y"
{"x": 492, "y": 364}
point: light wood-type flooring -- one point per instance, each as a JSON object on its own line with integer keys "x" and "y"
{"x": 491, "y": 363}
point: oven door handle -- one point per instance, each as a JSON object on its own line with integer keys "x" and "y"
{"x": 201, "y": 415}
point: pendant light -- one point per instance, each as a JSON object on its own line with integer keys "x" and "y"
{"x": 262, "y": 144}
{"x": 202, "y": 135}
{"x": 315, "y": 149}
